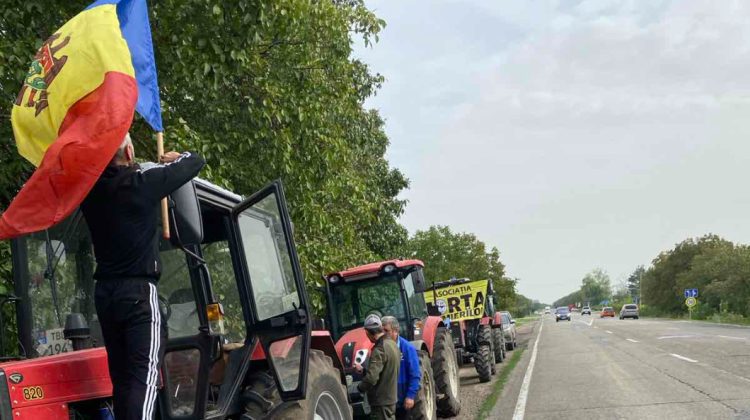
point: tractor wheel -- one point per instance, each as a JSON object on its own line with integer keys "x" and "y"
{"x": 485, "y": 358}
{"x": 445, "y": 369}
{"x": 499, "y": 343}
{"x": 424, "y": 407}
{"x": 326, "y": 396}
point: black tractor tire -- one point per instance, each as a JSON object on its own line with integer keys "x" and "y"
{"x": 326, "y": 396}
{"x": 499, "y": 344}
{"x": 425, "y": 407}
{"x": 445, "y": 370}
{"x": 484, "y": 360}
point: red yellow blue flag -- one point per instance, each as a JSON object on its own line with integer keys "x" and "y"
{"x": 75, "y": 106}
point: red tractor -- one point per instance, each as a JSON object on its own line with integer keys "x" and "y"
{"x": 394, "y": 288}
{"x": 477, "y": 330}
{"x": 240, "y": 341}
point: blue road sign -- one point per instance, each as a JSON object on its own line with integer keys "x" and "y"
{"x": 691, "y": 293}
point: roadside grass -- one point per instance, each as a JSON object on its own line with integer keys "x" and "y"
{"x": 526, "y": 320}
{"x": 497, "y": 387}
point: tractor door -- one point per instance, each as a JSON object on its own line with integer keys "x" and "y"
{"x": 279, "y": 310}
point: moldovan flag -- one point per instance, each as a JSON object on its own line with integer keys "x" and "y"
{"x": 75, "y": 107}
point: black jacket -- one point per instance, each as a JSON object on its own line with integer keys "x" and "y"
{"x": 122, "y": 213}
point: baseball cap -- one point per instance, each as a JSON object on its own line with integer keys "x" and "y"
{"x": 373, "y": 322}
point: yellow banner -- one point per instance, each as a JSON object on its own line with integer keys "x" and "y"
{"x": 458, "y": 302}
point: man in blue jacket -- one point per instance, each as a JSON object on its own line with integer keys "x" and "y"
{"x": 409, "y": 374}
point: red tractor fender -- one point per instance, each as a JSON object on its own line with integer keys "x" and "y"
{"x": 485, "y": 321}
{"x": 497, "y": 321}
{"x": 41, "y": 388}
{"x": 351, "y": 344}
{"x": 321, "y": 340}
{"x": 430, "y": 330}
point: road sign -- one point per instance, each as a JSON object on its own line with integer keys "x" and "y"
{"x": 690, "y": 302}
{"x": 691, "y": 293}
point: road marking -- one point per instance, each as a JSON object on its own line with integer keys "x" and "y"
{"x": 586, "y": 323}
{"x": 608, "y": 331}
{"x": 596, "y": 328}
{"x": 520, "y": 411}
{"x": 631, "y": 340}
{"x": 675, "y": 336}
{"x": 732, "y": 338}
{"x": 683, "y": 358}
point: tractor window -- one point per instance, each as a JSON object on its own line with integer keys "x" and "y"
{"x": 417, "y": 305}
{"x": 354, "y": 301}
{"x": 60, "y": 281}
{"x": 176, "y": 290}
{"x": 268, "y": 259}
{"x": 224, "y": 282}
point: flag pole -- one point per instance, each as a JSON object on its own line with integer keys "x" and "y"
{"x": 164, "y": 212}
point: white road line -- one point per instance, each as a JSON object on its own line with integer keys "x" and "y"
{"x": 683, "y": 358}
{"x": 732, "y": 338}
{"x": 675, "y": 336}
{"x": 520, "y": 411}
{"x": 608, "y": 331}
{"x": 632, "y": 341}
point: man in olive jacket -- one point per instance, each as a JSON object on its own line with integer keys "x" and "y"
{"x": 380, "y": 380}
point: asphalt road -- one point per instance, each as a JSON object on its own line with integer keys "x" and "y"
{"x": 592, "y": 368}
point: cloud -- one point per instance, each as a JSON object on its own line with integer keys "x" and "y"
{"x": 571, "y": 134}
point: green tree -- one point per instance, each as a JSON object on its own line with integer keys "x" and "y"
{"x": 634, "y": 283}
{"x": 264, "y": 90}
{"x": 448, "y": 254}
{"x": 595, "y": 287}
{"x": 659, "y": 287}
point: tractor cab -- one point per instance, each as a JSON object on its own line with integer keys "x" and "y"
{"x": 387, "y": 288}
{"x": 395, "y": 288}
{"x": 231, "y": 292}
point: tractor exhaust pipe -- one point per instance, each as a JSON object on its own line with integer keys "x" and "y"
{"x": 77, "y": 330}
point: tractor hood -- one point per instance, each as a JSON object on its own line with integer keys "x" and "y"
{"x": 354, "y": 347}
{"x": 42, "y": 387}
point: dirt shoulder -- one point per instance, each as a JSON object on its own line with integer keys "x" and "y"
{"x": 474, "y": 393}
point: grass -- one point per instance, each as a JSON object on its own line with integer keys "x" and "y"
{"x": 497, "y": 387}
{"x": 526, "y": 320}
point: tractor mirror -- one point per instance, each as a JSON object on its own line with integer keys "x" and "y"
{"x": 185, "y": 217}
{"x": 420, "y": 286}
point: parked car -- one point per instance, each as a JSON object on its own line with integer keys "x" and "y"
{"x": 562, "y": 313}
{"x": 629, "y": 311}
{"x": 586, "y": 310}
{"x": 607, "y": 311}
{"x": 509, "y": 330}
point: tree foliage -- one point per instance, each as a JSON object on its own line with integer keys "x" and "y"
{"x": 263, "y": 90}
{"x": 660, "y": 287}
{"x": 449, "y": 254}
{"x": 596, "y": 287}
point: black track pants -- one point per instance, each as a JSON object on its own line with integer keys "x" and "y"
{"x": 135, "y": 338}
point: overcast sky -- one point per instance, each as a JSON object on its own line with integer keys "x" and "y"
{"x": 569, "y": 134}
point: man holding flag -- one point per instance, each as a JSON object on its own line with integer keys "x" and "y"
{"x": 122, "y": 213}
{"x": 71, "y": 120}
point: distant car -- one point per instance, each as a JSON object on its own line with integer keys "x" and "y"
{"x": 509, "y": 330}
{"x": 629, "y": 311}
{"x": 546, "y": 310}
{"x": 586, "y": 311}
{"x": 607, "y": 311}
{"x": 562, "y": 313}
